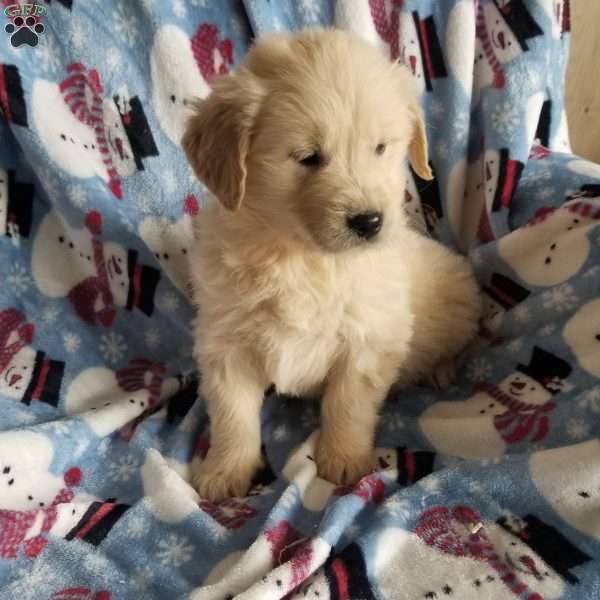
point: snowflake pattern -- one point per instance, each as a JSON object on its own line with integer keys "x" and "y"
{"x": 152, "y": 338}
{"x": 76, "y": 195}
{"x": 397, "y": 507}
{"x": 71, "y": 342}
{"x": 112, "y": 346}
{"x": 547, "y": 329}
{"x": 123, "y": 469}
{"x": 49, "y": 56}
{"x": 49, "y": 182}
{"x": 590, "y": 399}
{"x": 577, "y": 429}
{"x": 515, "y": 345}
{"x": 168, "y": 302}
{"x": 96, "y": 562}
{"x": 393, "y": 422}
{"x": 59, "y": 427}
{"x": 460, "y": 126}
{"x": 179, "y": 9}
{"x": 174, "y": 551}
{"x": 545, "y": 193}
{"x": 113, "y": 58}
{"x": 79, "y": 37}
{"x": 19, "y": 279}
{"x": 437, "y": 108}
{"x": 430, "y": 484}
{"x": 505, "y": 119}
{"x": 522, "y": 314}
{"x": 280, "y": 433}
{"x": 142, "y": 578}
{"x": 22, "y": 417}
{"x": 538, "y": 176}
{"x": 137, "y": 527}
{"x": 31, "y": 580}
{"x": 50, "y": 314}
{"x": 560, "y": 298}
{"x": 310, "y": 10}
{"x": 169, "y": 181}
{"x": 479, "y": 369}
{"x": 125, "y": 24}
{"x": 442, "y": 149}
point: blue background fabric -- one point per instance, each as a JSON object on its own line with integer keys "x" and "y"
{"x": 490, "y": 489}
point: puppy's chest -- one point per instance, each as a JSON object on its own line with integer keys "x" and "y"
{"x": 302, "y": 336}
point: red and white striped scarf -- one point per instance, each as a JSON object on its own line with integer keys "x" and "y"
{"x": 486, "y": 43}
{"x": 521, "y": 422}
{"x": 82, "y": 91}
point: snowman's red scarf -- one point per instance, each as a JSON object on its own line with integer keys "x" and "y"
{"x": 11, "y": 320}
{"x": 388, "y": 28}
{"x": 483, "y": 34}
{"x": 81, "y": 90}
{"x": 521, "y": 422}
{"x": 86, "y": 293}
{"x": 438, "y": 527}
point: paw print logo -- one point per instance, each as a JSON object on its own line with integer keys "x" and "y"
{"x": 24, "y": 26}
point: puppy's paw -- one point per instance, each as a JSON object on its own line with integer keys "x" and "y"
{"x": 443, "y": 375}
{"x": 343, "y": 465}
{"x": 217, "y": 479}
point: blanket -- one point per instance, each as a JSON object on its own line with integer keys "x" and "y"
{"x": 489, "y": 489}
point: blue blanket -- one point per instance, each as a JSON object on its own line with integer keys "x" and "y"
{"x": 490, "y": 489}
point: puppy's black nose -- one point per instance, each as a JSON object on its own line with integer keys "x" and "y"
{"x": 366, "y": 225}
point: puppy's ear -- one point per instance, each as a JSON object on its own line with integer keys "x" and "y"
{"x": 417, "y": 149}
{"x": 217, "y": 136}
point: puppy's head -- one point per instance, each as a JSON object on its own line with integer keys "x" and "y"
{"x": 311, "y": 134}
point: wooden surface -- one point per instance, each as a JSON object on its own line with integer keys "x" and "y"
{"x": 583, "y": 79}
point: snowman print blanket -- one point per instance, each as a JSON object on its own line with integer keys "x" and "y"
{"x": 487, "y": 490}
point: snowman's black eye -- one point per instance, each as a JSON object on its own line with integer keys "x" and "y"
{"x": 513, "y": 543}
{"x": 6, "y": 470}
{"x": 29, "y": 497}
{"x": 553, "y": 247}
{"x": 131, "y": 400}
{"x": 584, "y": 494}
{"x": 598, "y": 336}
{"x": 532, "y": 389}
{"x": 61, "y": 239}
{"x": 184, "y": 251}
{"x": 11, "y": 481}
{"x": 73, "y": 511}
{"x": 41, "y": 503}
{"x": 166, "y": 256}
{"x": 122, "y": 284}
{"x": 173, "y": 98}
{"x": 63, "y": 136}
{"x": 70, "y": 244}
{"x": 85, "y": 146}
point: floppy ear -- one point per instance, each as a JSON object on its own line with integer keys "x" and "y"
{"x": 217, "y": 136}
{"x": 417, "y": 149}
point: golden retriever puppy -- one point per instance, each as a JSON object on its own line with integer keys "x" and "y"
{"x": 305, "y": 273}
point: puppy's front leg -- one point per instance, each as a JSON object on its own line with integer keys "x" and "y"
{"x": 348, "y": 420}
{"x": 234, "y": 393}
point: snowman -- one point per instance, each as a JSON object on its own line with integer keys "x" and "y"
{"x": 12, "y": 98}
{"x": 582, "y": 334}
{"x": 170, "y": 243}
{"x": 25, "y": 477}
{"x": 500, "y": 296}
{"x": 16, "y": 205}
{"x": 26, "y": 374}
{"x": 503, "y": 29}
{"x": 69, "y": 120}
{"x": 96, "y": 277}
{"x": 569, "y": 479}
{"x": 371, "y": 22}
{"x": 553, "y": 246}
{"x": 420, "y": 50}
{"x": 407, "y": 467}
{"x": 107, "y": 400}
{"x": 515, "y": 410}
{"x": 460, "y": 46}
{"x": 279, "y": 560}
{"x": 452, "y": 553}
{"x": 478, "y": 188}
{"x": 128, "y": 133}
{"x": 181, "y": 70}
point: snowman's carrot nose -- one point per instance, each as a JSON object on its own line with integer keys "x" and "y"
{"x": 15, "y": 378}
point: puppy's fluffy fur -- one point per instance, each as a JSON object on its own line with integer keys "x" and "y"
{"x": 287, "y": 292}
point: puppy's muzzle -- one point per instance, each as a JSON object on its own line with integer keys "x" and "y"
{"x": 366, "y": 225}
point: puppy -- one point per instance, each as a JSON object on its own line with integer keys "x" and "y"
{"x": 305, "y": 272}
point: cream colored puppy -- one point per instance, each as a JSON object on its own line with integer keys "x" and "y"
{"x": 305, "y": 272}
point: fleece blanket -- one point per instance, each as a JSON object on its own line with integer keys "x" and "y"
{"x": 490, "y": 489}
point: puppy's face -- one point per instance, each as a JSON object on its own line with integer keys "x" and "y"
{"x": 311, "y": 135}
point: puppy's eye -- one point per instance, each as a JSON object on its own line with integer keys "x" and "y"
{"x": 380, "y": 149}
{"x": 314, "y": 159}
